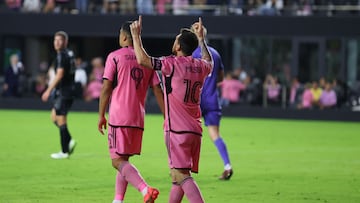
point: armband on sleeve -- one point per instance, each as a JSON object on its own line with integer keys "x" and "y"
{"x": 156, "y": 63}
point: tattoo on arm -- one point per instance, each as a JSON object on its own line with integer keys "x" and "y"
{"x": 204, "y": 51}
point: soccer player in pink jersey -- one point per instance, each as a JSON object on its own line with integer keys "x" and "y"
{"x": 125, "y": 84}
{"x": 184, "y": 77}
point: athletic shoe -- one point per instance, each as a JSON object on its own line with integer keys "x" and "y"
{"x": 72, "y": 145}
{"x": 116, "y": 201}
{"x": 226, "y": 175}
{"x": 151, "y": 195}
{"x": 60, "y": 155}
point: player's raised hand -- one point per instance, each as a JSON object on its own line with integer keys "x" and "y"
{"x": 199, "y": 29}
{"x": 135, "y": 27}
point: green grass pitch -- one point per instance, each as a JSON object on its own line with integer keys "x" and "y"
{"x": 273, "y": 161}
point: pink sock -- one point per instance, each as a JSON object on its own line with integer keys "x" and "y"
{"x": 132, "y": 175}
{"x": 120, "y": 187}
{"x": 192, "y": 191}
{"x": 176, "y": 194}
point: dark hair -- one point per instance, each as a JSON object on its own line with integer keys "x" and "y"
{"x": 188, "y": 41}
{"x": 126, "y": 28}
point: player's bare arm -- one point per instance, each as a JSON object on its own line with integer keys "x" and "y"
{"x": 59, "y": 75}
{"x": 103, "y": 103}
{"x": 200, "y": 33}
{"x": 159, "y": 95}
{"x": 141, "y": 56}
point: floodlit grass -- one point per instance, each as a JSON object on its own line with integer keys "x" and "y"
{"x": 273, "y": 161}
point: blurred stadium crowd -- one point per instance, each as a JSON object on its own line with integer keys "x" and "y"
{"x": 88, "y": 79}
{"x": 239, "y": 87}
{"x": 188, "y": 7}
{"x": 246, "y": 85}
{"x": 277, "y": 89}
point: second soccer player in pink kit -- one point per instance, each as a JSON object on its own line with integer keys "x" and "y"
{"x": 125, "y": 84}
{"x": 183, "y": 78}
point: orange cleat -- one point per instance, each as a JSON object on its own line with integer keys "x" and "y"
{"x": 151, "y": 195}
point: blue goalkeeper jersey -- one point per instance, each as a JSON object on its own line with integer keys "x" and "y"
{"x": 210, "y": 94}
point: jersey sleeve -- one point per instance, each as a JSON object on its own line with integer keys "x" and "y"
{"x": 163, "y": 63}
{"x": 60, "y": 60}
{"x": 64, "y": 61}
{"x": 110, "y": 67}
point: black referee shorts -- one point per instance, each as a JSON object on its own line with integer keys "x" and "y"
{"x": 62, "y": 105}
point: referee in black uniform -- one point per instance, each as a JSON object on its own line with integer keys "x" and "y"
{"x": 62, "y": 88}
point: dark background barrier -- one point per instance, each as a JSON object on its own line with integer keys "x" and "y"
{"x": 167, "y": 26}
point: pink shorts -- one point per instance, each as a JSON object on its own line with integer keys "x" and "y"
{"x": 183, "y": 150}
{"x": 124, "y": 141}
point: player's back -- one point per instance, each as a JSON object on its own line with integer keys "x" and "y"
{"x": 130, "y": 84}
{"x": 184, "y": 78}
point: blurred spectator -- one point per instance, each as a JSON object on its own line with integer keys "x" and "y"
{"x": 95, "y": 6}
{"x": 271, "y": 8}
{"x": 97, "y": 71}
{"x": 180, "y": 7}
{"x": 127, "y": 7}
{"x": 14, "y": 5}
{"x": 161, "y": 6}
{"x": 12, "y": 77}
{"x": 240, "y": 74}
{"x": 31, "y": 6}
{"x": 58, "y": 6}
{"x": 322, "y": 82}
{"x": 112, "y": 6}
{"x": 303, "y": 8}
{"x": 307, "y": 98}
{"x": 145, "y": 7}
{"x": 198, "y": 7}
{"x": 283, "y": 74}
{"x": 253, "y": 7}
{"x": 81, "y": 6}
{"x": 295, "y": 85}
{"x": 328, "y": 97}
{"x": 40, "y": 83}
{"x": 235, "y": 7}
{"x": 93, "y": 89}
{"x": 80, "y": 77}
{"x": 230, "y": 89}
{"x": 272, "y": 88}
{"x": 339, "y": 87}
{"x": 316, "y": 92}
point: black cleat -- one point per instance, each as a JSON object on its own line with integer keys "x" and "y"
{"x": 226, "y": 175}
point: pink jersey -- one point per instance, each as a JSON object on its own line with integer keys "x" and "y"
{"x": 183, "y": 78}
{"x": 131, "y": 82}
{"x": 328, "y": 98}
{"x": 230, "y": 89}
{"x": 307, "y": 99}
{"x": 93, "y": 89}
{"x": 273, "y": 91}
